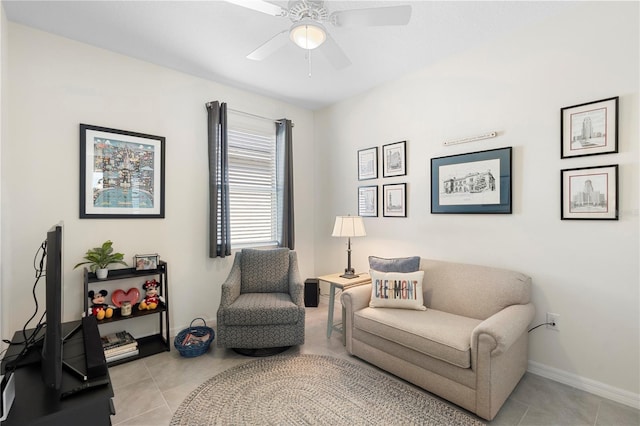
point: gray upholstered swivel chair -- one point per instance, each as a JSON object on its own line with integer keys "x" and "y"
{"x": 262, "y": 303}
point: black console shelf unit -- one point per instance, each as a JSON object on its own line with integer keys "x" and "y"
{"x": 37, "y": 405}
{"x": 148, "y": 345}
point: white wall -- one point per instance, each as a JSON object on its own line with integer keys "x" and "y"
{"x": 3, "y": 112}
{"x": 56, "y": 84}
{"x": 585, "y": 271}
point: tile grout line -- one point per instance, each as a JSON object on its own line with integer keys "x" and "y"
{"x": 595, "y": 422}
{"x": 152, "y": 409}
{"x": 160, "y": 391}
{"x": 524, "y": 415}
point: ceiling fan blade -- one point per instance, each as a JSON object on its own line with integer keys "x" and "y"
{"x": 270, "y": 46}
{"x": 334, "y": 54}
{"x": 260, "y": 6}
{"x": 377, "y": 16}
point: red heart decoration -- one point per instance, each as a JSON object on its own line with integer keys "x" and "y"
{"x": 132, "y": 295}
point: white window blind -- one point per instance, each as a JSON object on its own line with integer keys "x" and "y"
{"x": 252, "y": 186}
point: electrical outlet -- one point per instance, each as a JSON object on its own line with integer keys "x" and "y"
{"x": 552, "y": 319}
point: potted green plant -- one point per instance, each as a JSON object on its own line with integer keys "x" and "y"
{"x": 99, "y": 258}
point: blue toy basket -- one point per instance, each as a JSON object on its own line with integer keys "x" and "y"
{"x": 195, "y": 340}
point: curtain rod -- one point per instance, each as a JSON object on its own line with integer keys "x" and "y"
{"x": 253, "y": 115}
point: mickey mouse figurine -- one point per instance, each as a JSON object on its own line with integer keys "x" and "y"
{"x": 152, "y": 299}
{"x": 99, "y": 309}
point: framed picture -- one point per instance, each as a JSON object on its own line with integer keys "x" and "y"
{"x": 121, "y": 174}
{"x": 589, "y": 193}
{"x": 395, "y": 200}
{"x": 368, "y": 163}
{"x": 368, "y": 201}
{"x": 394, "y": 159}
{"x": 478, "y": 182}
{"x": 589, "y": 129}
{"x": 145, "y": 262}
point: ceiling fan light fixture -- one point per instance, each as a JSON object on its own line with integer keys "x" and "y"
{"x": 308, "y": 34}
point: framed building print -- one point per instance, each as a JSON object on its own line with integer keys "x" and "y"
{"x": 368, "y": 201}
{"x": 394, "y": 159}
{"x": 394, "y": 200}
{"x": 589, "y": 129}
{"x": 478, "y": 182}
{"x": 121, "y": 174}
{"x": 589, "y": 193}
{"x": 368, "y": 163}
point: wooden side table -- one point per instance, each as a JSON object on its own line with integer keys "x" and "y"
{"x": 336, "y": 281}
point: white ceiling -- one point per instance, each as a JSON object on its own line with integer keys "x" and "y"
{"x": 210, "y": 39}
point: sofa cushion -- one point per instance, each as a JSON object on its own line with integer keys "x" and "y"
{"x": 398, "y": 264}
{"x": 396, "y": 290}
{"x": 264, "y": 271}
{"x": 262, "y": 308}
{"x": 471, "y": 290}
{"x": 438, "y": 334}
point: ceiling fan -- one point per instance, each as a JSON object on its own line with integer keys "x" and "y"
{"x": 309, "y": 20}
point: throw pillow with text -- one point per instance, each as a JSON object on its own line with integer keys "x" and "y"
{"x": 397, "y": 290}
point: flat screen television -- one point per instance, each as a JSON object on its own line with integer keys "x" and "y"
{"x": 51, "y": 363}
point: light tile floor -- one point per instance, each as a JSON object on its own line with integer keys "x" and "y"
{"x": 148, "y": 391}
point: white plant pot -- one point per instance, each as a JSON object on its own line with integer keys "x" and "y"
{"x": 102, "y": 273}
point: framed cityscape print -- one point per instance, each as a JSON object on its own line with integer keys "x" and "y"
{"x": 394, "y": 159}
{"x": 589, "y": 193}
{"x": 368, "y": 201}
{"x": 368, "y": 163}
{"x": 589, "y": 129}
{"x": 121, "y": 174}
{"x": 478, "y": 182}
{"x": 394, "y": 200}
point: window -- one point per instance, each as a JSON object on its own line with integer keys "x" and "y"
{"x": 252, "y": 183}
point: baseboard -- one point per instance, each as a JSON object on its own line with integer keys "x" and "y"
{"x": 597, "y": 388}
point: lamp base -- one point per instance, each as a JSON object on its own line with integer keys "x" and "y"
{"x": 349, "y": 273}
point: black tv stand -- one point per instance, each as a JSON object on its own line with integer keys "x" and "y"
{"x": 76, "y": 401}
{"x": 74, "y": 365}
{"x": 32, "y": 353}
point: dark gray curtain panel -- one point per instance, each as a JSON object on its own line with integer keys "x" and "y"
{"x": 284, "y": 151}
{"x": 219, "y": 231}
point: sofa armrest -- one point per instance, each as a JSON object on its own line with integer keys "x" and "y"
{"x": 356, "y": 298}
{"x": 296, "y": 286}
{"x": 231, "y": 286}
{"x": 353, "y": 300}
{"x": 504, "y": 327}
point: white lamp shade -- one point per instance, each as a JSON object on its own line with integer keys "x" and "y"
{"x": 307, "y": 34}
{"x": 349, "y": 226}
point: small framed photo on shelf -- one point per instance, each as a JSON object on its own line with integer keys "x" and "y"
{"x": 478, "y": 182}
{"x": 145, "y": 262}
{"x": 394, "y": 200}
{"x": 394, "y": 159}
{"x": 368, "y": 201}
{"x": 368, "y": 163}
{"x": 589, "y": 193}
{"x": 589, "y": 129}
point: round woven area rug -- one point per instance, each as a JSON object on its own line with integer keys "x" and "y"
{"x": 313, "y": 390}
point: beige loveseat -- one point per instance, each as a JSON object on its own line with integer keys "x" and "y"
{"x": 469, "y": 346}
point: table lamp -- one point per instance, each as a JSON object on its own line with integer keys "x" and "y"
{"x": 349, "y": 226}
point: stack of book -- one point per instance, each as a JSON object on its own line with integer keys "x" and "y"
{"x": 119, "y": 345}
